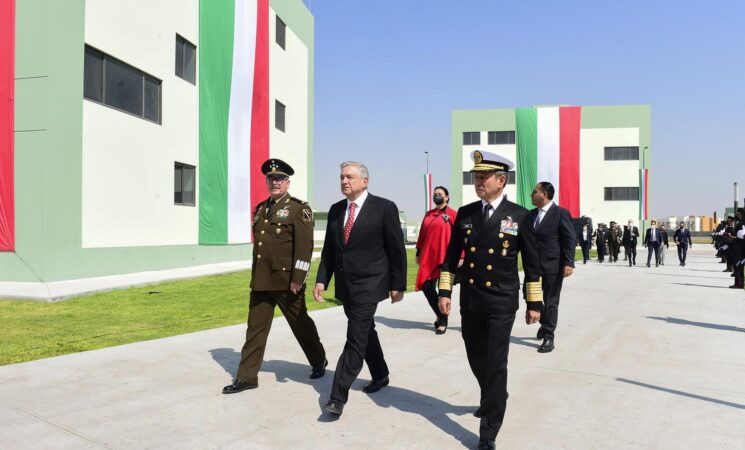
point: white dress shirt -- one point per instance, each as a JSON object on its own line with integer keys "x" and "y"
{"x": 359, "y": 202}
{"x": 494, "y": 205}
{"x": 542, "y": 212}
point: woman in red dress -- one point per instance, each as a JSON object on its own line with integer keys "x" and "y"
{"x": 431, "y": 245}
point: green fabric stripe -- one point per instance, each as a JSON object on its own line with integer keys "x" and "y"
{"x": 527, "y": 154}
{"x": 216, "y": 20}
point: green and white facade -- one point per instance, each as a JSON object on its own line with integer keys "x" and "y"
{"x": 94, "y": 185}
{"x": 596, "y": 156}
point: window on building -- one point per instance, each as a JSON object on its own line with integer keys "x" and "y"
{"x": 468, "y": 177}
{"x": 471, "y": 138}
{"x": 281, "y": 32}
{"x": 501, "y": 137}
{"x": 186, "y": 66}
{"x": 622, "y": 194}
{"x": 116, "y": 84}
{"x": 183, "y": 184}
{"x": 621, "y": 153}
{"x": 279, "y": 115}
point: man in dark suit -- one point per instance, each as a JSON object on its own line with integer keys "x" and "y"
{"x": 283, "y": 234}
{"x": 364, "y": 251}
{"x": 490, "y": 233}
{"x": 554, "y": 234}
{"x": 630, "y": 235}
{"x": 585, "y": 241}
{"x": 682, "y": 238}
{"x": 653, "y": 240}
{"x": 600, "y": 238}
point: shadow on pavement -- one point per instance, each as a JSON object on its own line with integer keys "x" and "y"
{"x": 433, "y": 409}
{"x": 698, "y": 324}
{"x": 683, "y": 275}
{"x": 684, "y": 394}
{"x": 528, "y": 342}
{"x": 701, "y": 285}
{"x": 409, "y": 324}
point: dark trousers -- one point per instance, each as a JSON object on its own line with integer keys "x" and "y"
{"x": 601, "y": 252}
{"x": 362, "y": 345}
{"x": 613, "y": 251}
{"x": 430, "y": 291}
{"x": 682, "y": 252}
{"x": 585, "y": 251}
{"x": 260, "y": 315}
{"x": 487, "y": 340}
{"x": 653, "y": 247}
{"x": 631, "y": 252}
{"x": 550, "y": 313}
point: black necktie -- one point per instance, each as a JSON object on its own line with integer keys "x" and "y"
{"x": 487, "y": 208}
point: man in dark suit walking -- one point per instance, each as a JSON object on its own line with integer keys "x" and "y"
{"x": 585, "y": 241}
{"x": 682, "y": 238}
{"x": 652, "y": 240}
{"x": 554, "y": 234}
{"x": 490, "y": 233}
{"x": 629, "y": 240}
{"x": 364, "y": 251}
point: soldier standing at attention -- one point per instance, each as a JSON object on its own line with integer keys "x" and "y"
{"x": 283, "y": 245}
{"x": 491, "y": 231}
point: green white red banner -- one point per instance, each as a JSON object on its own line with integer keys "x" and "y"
{"x": 7, "y": 80}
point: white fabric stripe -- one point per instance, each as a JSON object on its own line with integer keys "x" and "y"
{"x": 548, "y": 147}
{"x": 239, "y": 122}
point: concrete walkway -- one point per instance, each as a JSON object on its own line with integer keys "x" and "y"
{"x": 645, "y": 358}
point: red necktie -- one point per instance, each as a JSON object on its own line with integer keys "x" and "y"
{"x": 350, "y": 222}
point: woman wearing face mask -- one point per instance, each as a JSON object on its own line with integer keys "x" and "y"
{"x": 431, "y": 245}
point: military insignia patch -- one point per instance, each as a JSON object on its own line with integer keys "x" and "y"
{"x": 283, "y": 213}
{"x": 477, "y": 157}
{"x": 504, "y": 252}
{"x": 307, "y": 215}
{"x": 508, "y": 226}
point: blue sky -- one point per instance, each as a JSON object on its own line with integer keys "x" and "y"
{"x": 389, "y": 73}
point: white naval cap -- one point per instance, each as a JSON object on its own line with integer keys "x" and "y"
{"x": 487, "y": 161}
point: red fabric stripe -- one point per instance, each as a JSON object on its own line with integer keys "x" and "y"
{"x": 7, "y": 79}
{"x": 646, "y": 193}
{"x": 569, "y": 124}
{"x": 260, "y": 105}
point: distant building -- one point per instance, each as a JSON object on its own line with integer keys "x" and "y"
{"x": 596, "y": 156}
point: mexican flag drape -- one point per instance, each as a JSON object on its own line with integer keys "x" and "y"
{"x": 548, "y": 150}
{"x": 233, "y": 116}
{"x": 7, "y": 79}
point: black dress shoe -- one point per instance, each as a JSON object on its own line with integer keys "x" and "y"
{"x": 478, "y": 413}
{"x": 238, "y": 386}
{"x": 486, "y": 444}
{"x": 334, "y": 407}
{"x": 319, "y": 371}
{"x": 546, "y": 346}
{"x": 375, "y": 385}
{"x": 734, "y": 286}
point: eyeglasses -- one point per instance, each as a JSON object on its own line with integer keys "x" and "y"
{"x": 276, "y": 179}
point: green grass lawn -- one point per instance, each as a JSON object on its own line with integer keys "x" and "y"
{"x": 32, "y": 330}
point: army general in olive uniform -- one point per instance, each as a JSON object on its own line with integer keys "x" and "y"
{"x": 283, "y": 245}
{"x": 490, "y": 233}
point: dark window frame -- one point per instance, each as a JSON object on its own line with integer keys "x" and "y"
{"x": 621, "y": 194}
{"x": 181, "y": 45}
{"x": 468, "y": 138}
{"x": 280, "y": 107}
{"x": 178, "y": 196}
{"x": 280, "y": 33}
{"x": 104, "y": 57}
{"x": 628, "y": 153}
{"x": 501, "y": 137}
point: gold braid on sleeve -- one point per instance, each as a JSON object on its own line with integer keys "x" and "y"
{"x": 446, "y": 281}
{"x": 534, "y": 291}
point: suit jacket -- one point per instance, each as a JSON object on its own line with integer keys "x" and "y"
{"x": 648, "y": 236}
{"x": 630, "y": 236}
{"x": 555, "y": 239}
{"x": 581, "y": 237}
{"x": 489, "y": 276}
{"x": 373, "y": 262}
{"x": 683, "y": 236}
